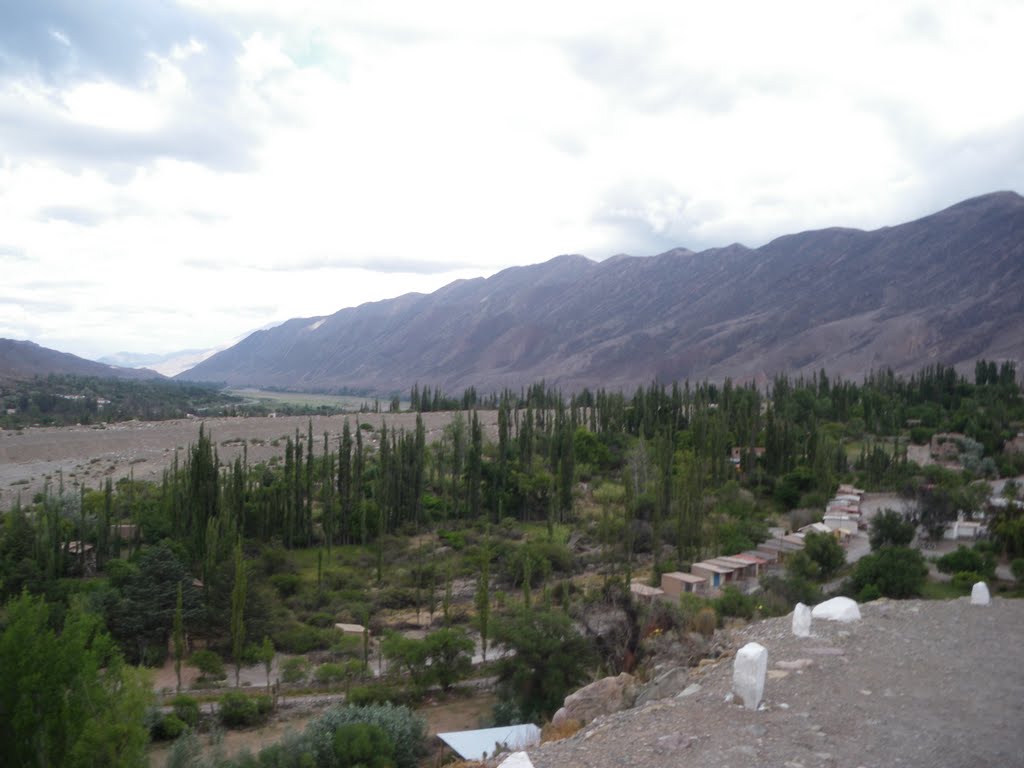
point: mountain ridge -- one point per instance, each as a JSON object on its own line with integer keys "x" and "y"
{"x": 931, "y": 290}
{"x": 21, "y": 360}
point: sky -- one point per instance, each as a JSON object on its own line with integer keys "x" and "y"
{"x": 173, "y": 175}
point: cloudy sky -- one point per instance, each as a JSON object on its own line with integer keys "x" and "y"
{"x": 175, "y": 174}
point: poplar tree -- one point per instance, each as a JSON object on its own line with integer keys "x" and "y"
{"x": 237, "y": 611}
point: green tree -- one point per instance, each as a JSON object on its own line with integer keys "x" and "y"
{"x": 897, "y": 572}
{"x": 826, "y": 552}
{"x": 67, "y": 698}
{"x": 178, "y": 637}
{"x": 548, "y": 659}
{"x": 238, "y": 611}
{"x": 267, "y": 657}
{"x": 889, "y": 528}
{"x": 449, "y": 652}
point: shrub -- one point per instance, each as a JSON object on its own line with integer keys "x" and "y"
{"x": 735, "y": 603}
{"x": 889, "y": 528}
{"x": 965, "y": 580}
{"x": 187, "y": 710}
{"x": 365, "y": 695}
{"x": 826, "y": 552}
{"x": 329, "y": 673}
{"x": 964, "y": 559}
{"x": 237, "y": 710}
{"x": 705, "y": 621}
{"x": 294, "y": 670}
{"x": 403, "y": 728}
{"x": 363, "y": 745}
{"x": 208, "y": 663}
{"x": 286, "y": 584}
{"x": 168, "y": 728}
{"x": 302, "y": 638}
{"x": 896, "y": 572}
{"x": 1017, "y": 568}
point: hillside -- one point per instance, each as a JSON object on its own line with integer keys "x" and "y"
{"x": 20, "y": 360}
{"x": 916, "y": 684}
{"x": 939, "y": 289}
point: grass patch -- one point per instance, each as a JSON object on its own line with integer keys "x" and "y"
{"x": 940, "y": 590}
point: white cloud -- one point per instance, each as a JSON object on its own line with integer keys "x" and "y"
{"x": 170, "y": 180}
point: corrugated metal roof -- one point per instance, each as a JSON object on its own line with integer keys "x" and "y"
{"x": 482, "y": 743}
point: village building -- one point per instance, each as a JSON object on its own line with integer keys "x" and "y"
{"x": 676, "y": 583}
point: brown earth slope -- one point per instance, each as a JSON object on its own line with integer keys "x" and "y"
{"x": 944, "y": 289}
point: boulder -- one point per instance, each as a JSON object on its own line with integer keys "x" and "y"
{"x": 748, "y": 674}
{"x": 979, "y": 594}
{"x": 607, "y": 695}
{"x": 801, "y": 620}
{"x": 837, "y": 609}
{"x": 664, "y": 685}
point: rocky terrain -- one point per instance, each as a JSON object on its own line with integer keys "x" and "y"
{"x": 929, "y": 684}
{"x": 940, "y": 289}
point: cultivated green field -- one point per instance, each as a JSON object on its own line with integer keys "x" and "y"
{"x": 351, "y": 403}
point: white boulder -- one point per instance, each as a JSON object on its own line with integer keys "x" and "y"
{"x": 801, "y": 620}
{"x": 979, "y": 594}
{"x": 748, "y": 674}
{"x": 837, "y": 609}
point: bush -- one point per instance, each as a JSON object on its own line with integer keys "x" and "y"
{"x": 403, "y": 728}
{"x": 735, "y": 603}
{"x": 896, "y": 572}
{"x": 168, "y": 728}
{"x": 824, "y": 550}
{"x": 1017, "y": 568}
{"x": 187, "y": 710}
{"x": 365, "y": 695}
{"x": 964, "y": 559}
{"x": 302, "y": 638}
{"x": 363, "y": 745}
{"x": 209, "y": 664}
{"x": 286, "y": 584}
{"x": 237, "y": 710}
{"x": 705, "y": 621}
{"x": 964, "y": 581}
{"x": 889, "y": 528}
{"x": 295, "y": 670}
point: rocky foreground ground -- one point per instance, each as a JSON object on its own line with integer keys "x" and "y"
{"x": 911, "y": 684}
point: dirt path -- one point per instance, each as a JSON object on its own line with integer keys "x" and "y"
{"x": 914, "y": 684}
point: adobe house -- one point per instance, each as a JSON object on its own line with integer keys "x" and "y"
{"x": 717, "y": 575}
{"x": 645, "y": 592}
{"x": 676, "y": 583}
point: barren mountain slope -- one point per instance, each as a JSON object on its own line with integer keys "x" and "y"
{"x": 940, "y": 289}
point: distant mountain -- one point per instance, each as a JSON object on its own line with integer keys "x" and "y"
{"x": 25, "y": 359}
{"x": 945, "y": 288}
{"x": 172, "y": 363}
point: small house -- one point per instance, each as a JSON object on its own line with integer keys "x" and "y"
{"x": 676, "y": 583}
{"x": 715, "y": 574}
{"x": 743, "y": 569}
{"x": 758, "y": 562}
{"x": 645, "y": 592}
{"x": 350, "y": 629}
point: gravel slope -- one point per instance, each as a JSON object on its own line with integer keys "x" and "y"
{"x": 912, "y": 684}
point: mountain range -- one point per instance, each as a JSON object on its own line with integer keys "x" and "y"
{"x": 945, "y": 288}
{"x": 20, "y": 360}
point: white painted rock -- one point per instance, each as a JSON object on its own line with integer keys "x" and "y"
{"x": 979, "y": 594}
{"x": 837, "y": 609}
{"x": 801, "y": 620}
{"x": 516, "y": 760}
{"x": 748, "y": 674}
